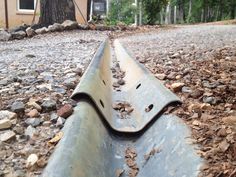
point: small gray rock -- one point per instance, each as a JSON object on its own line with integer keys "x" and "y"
{"x": 33, "y": 121}
{"x": 53, "y": 117}
{"x": 30, "y": 32}
{"x": 210, "y": 100}
{"x": 18, "y": 107}
{"x": 186, "y": 90}
{"x": 49, "y": 105}
{"x": 18, "y": 35}
{"x": 70, "y": 83}
{"x": 60, "y": 122}
{"x": 41, "y": 30}
{"x": 55, "y": 27}
{"x": 4, "y": 35}
{"x": 70, "y": 25}
{"x": 30, "y": 131}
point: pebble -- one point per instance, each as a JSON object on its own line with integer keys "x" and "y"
{"x": 33, "y": 122}
{"x": 7, "y": 115}
{"x": 18, "y": 107}
{"x": 65, "y": 111}
{"x": 53, "y": 117}
{"x": 49, "y": 105}
{"x": 70, "y": 83}
{"x": 31, "y": 160}
{"x": 176, "y": 87}
{"x": 186, "y": 90}
{"x": 5, "y": 123}
{"x": 8, "y": 135}
{"x": 33, "y": 104}
{"x": 60, "y": 122}
{"x": 160, "y": 76}
{"x": 30, "y": 131}
{"x": 33, "y": 113}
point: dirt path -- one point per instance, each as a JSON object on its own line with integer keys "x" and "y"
{"x": 199, "y": 64}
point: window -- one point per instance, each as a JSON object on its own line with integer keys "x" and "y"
{"x": 26, "y": 5}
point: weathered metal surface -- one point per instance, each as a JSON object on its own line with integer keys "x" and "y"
{"x": 89, "y": 148}
{"x": 142, "y": 90}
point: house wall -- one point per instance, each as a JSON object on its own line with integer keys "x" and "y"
{"x": 17, "y": 18}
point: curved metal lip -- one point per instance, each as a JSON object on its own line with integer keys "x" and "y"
{"x": 84, "y": 96}
{"x": 92, "y": 89}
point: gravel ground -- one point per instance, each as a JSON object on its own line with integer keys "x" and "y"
{"x": 198, "y": 63}
{"x": 37, "y": 77}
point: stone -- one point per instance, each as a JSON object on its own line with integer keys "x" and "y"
{"x": 33, "y": 122}
{"x": 3, "y": 82}
{"x": 35, "y": 105}
{"x": 79, "y": 71}
{"x": 42, "y": 162}
{"x": 176, "y": 87}
{"x": 30, "y": 32}
{"x": 19, "y": 129}
{"x": 186, "y": 90}
{"x": 230, "y": 120}
{"x": 70, "y": 25}
{"x": 60, "y": 122}
{"x": 30, "y": 131}
{"x": 31, "y": 160}
{"x": 18, "y": 35}
{"x": 18, "y": 107}
{"x": 65, "y": 111}
{"x": 83, "y": 26}
{"x": 55, "y": 27}
{"x": 160, "y": 76}
{"x": 7, "y": 115}
{"x": 70, "y": 83}
{"x": 53, "y": 117}
{"x": 33, "y": 113}
{"x": 5, "y": 123}
{"x": 41, "y": 30}
{"x": 4, "y": 35}
{"x": 8, "y": 135}
{"x": 121, "y": 82}
{"x": 210, "y": 100}
{"x": 49, "y": 105}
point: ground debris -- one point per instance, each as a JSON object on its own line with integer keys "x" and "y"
{"x": 124, "y": 108}
{"x": 204, "y": 78}
{"x": 151, "y": 153}
{"x": 119, "y": 172}
{"x": 130, "y": 159}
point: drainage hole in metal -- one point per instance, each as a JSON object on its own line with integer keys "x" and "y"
{"x": 149, "y": 108}
{"x": 102, "y": 103}
{"x": 138, "y": 86}
{"x": 104, "y": 82}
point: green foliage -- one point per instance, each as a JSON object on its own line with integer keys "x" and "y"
{"x": 121, "y": 11}
{"x": 201, "y": 11}
{"x": 152, "y": 9}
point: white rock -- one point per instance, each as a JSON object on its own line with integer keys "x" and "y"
{"x": 7, "y": 136}
{"x": 7, "y": 115}
{"x": 70, "y": 25}
{"x": 41, "y": 30}
{"x": 5, "y": 123}
{"x": 55, "y": 27}
{"x": 30, "y": 32}
{"x": 4, "y": 36}
{"x": 31, "y": 160}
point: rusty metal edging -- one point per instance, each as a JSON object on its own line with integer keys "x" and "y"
{"x": 142, "y": 90}
{"x": 89, "y": 149}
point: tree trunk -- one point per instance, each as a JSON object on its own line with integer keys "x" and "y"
{"x": 56, "y": 11}
{"x": 181, "y": 11}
